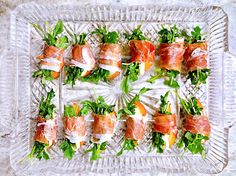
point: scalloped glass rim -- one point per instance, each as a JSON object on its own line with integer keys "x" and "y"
{"x": 215, "y": 23}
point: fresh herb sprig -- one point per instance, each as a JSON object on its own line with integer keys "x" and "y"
{"x": 68, "y": 149}
{"x": 157, "y": 142}
{"x": 106, "y": 36}
{"x": 131, "y": 75}
{"x": 165, "y": 104}
{"x": 46, "y": 75}
{"x": 72, "y": 74}
{"x": 169, "y": 35}
{"x": 128, "y": 144}
{"x": 193, "y": 143}
{"x": 191, "y": 106}
{"x": 96, "y": 150}
{"x": 46, "y": 108}
{"x": 39, "y": 151}
{"x": 52, "y": 38}
{"x": 81, "y": 40}
{"x": 130, "y": 107}
{"x": 137, "y": 34}
{"x": 71, "y": 110}
{"x": 97, "y": 75}
{"x": 199, "y": 76}
{"x": 98, "y": 107}
{"x": 195, "y": 35}
{"x": 170, "y": 74}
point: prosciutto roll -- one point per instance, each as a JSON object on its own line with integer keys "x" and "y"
{"x": 82, "y": 57}
{"x": 195, "y": 56}
{"x": 197, "y": 125}
{"x": 46, "y": 131}
{"x": 136, "y": 124}
{"x": 110, "y": 59}
{"x": 171, "y": 55}
{"x": 166, "y": 124}
{"x": 52, "y": 59}
{"x": 103, "y": 127}
{"x": 143, "y": 52}
{"x": 75, "y": 130}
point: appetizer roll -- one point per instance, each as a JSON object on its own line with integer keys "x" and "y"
{"x": 136, "y": 118}
{"x": 195, "y": 57}
{"x": 171, "y": 53}
{"x": 46, "y": 129}
{"x": 75, "y": 130}
{"x": 103, "y": 126}
{"x": 196, "y": 127}
{"x": 164, "y": 129}
{"x": 51, "y": 60}
{"x": 82, "y": 62}
{"x": 109, "y": 62}
{"x": 142, "y": 57}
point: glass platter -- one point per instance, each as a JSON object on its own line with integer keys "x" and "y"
{"x": 26, "y": 44}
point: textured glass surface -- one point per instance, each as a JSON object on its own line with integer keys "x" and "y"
{"x": 26, "y": 44}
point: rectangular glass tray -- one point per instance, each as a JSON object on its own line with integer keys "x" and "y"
{"x": 26, "y": 44}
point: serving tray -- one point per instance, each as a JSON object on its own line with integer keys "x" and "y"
{"x": 216, "y": 96}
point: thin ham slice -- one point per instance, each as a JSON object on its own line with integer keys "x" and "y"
{"x": 49, "y": 54}
{"x": 75, "y": 129}
{"x": 103, "y": 127}
{"x": 110, "y": 59}
{"x": 171, "y": 55}
{"x": 165, "y": 123}
{"x": 197, "y": 124}
{"x": 195, "y": 56}
{"x": 46, "y": 131}
{"x": 142, "y": 51}
{"x": 82, "y": 57}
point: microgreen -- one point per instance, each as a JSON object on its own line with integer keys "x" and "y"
{"x": 72, "y": 74}
{"x": 96, "y": 150}
{"x": 169, "y": 35}
{"x": 68, "y": 149}
{"x": 195, "y": 35}
{"x": 157, "y": 142}
{"x": 165, "y": 103}
{"x": 46, "y": 75}
{"x": 128, "y": 144}
{"x": 97, "y": 75}
{"x": 46, "y": 108}
{"x": 170, "y": 74}
{"x": 98, "y": 107}
{"x": 39, "y": 151}
{"x": 131, "y": 75}
{"x": 106, "y": 36}
{"x": 70, "y": 111}
{"x": 81, "y": 40}
{"x": 199, "y": 76}
{"x": 137, "y": 34}
{"x": 193, "y": 143}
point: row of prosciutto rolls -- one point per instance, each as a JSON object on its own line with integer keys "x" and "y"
{"x": 179, "y": 52}
{"x": 195, "y": 129}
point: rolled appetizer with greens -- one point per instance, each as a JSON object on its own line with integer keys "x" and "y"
{"x": 51, "y": 60}
{"x": 46, "y": 129}
{"x": 195, "y": 57}
{"x": 171, "y": 53}
{"x": 75, "y": 130}
{"x": 103, "y": 127}
{"x": 142, "y": 57}
{"x": 136, "y": 118}
{"x": 196, "y": 127}
{"x": 109, "y": 62}
{"x": 164, "y": 129}
{"x": 82, "y": 62}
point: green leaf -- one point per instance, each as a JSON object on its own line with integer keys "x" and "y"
{"x": 106, "y": 36}
{"x": 199, "y": 76}
{"x": 128, "y": 144}
{"x": 68, "y": 149}
{"x": 169, "y": 35}
{"x": 193, "y": 143}
{"x": 46, "y": 108}
{"x": 157, "y": 142}
{"x": 62, "y": 42}
{"x": 39, "y": 151}
{"x": 58, "y": 29}
{"x": 195, "y": 35}
{"x": 69, "y": 111}
{"x": 137, "y": 34}
{"x": 97, "y": 75}
{"x": 96, "y": 150}
{"x": 72, "y": 74}
{"x": 165, "y": 103}
{"x": 46, "y": 75}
